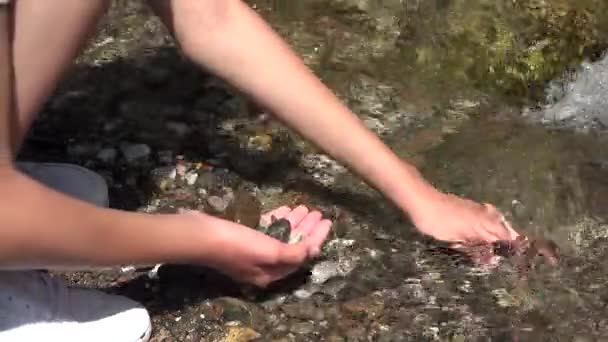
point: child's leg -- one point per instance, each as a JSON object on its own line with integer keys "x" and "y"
{"x": 47, "y": 36}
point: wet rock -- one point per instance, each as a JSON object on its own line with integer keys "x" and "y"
{"x": 279, "y": 229}
{"x": 217, "y": 203}
{"x": 156, "y": 76}
{"x": 302, "y": 328}
{"x": 375, "y": 125}
{"x": 260, "y": 143}
{"x": 302, "y": 294}
{"x": 107, "y": 155}
{"x": 325, "y": 270}
{"x": 335, "y": 338}
{"x": 79, "y": 150}
{"x": 369, "y": 307}
{"x": 245, "y": 209}
{"x": 163, "y": 335}
{"x": 206, "y": 180}
{"x": 504, "y": 298}
{"x": 241, "y": 334}
{"x": 135, "y": 152}
{"x": 306, "y": 311}
{"x": 234, "y": 310}
{"x": 322, "y": 168}
{"x": 164, "y": 177}
{"x": 191, "y": 177}
{"x": 180, "y": 129}
{"x": 165, "y": 156}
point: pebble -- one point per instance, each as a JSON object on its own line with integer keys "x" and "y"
{"x": 504, "y": 298}
{"x": 375, "y": 125}
{"x": 325, "y": 270}
{"x": 235, "y": 310}
{"x": 240, "y": 334}
{"x": 302, "y": 328}
{"x": 165, "y": 156}
{"x": 179, "y": 128}
{"x": 191, "y": 177}
{"x": 217, "y": 203}
{"x": 107, "y": 155}
{"x": 79, "y": 150}
{"x": 302, "y": 294}
{"x": 135, "y": 152}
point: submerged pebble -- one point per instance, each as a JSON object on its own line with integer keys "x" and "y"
{"x": 326, "y": 270}
{"x": 135, "y": 152}
{"x": 217, "y": 203}
{"x": 107, "y": 155}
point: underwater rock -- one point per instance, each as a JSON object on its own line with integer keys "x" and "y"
{"x": 244, "y": 209}
{"x": 513, "y": 47}
{"x": 135, "y": 152}
{"x": 217, "y": 203}
{"x": 107, "y": 155}
{"x": 241, "y": 334}
{"x": 325, "y": 270}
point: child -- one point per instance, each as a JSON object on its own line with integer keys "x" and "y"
{"x": 229, "y": 39}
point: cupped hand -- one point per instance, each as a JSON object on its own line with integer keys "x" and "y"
{"x": 249, "y": 256}
{"x": 457, "y": 220}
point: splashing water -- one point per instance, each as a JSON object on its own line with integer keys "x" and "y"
{"x": 581, "y": 102}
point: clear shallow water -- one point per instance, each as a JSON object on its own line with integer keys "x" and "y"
{"x": 425, "y": 88}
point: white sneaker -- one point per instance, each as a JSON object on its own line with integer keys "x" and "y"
{"x": 35, "y": 306}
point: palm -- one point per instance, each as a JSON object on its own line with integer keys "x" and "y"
{"x": 251, "y": 256}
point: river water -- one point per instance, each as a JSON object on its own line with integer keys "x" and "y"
{"x": 417, "y": 73}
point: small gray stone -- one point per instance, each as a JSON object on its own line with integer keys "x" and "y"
{"x": 165, "y": 156}
{"x": 279, "y": 229}
{"x": 179, "y": 128}
{"x": 135, "y": 152}
{"x": 302, "y": 294}
{"x": 217, "y": 203}
{"x": 107, "y": 155}
{"x": 79, "y": 150}
{"x": 302, "y": 328}
{"x": 323, "y": 271}
{"x": 191, "y": 177}
{"x": 326, "y": 270}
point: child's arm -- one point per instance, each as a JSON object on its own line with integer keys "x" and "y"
{"x": 231, "y": 40}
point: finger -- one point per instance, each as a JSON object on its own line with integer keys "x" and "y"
{"x": 512, "y": 233}
{"x": 297, "y": 215}
{"x": 495, "y": 214}
{"x": 279, "y": 213}
{"x": 498, "y": 225}
{"x": 309, "y": 222}
{"x": 317, "y": 237}
{"x": 506, "y": 231}
{"x": 487, "y": 232}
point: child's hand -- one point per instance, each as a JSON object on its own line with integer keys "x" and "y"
{"x": 450, "y": 218}
{"x": 252, "y": 257}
